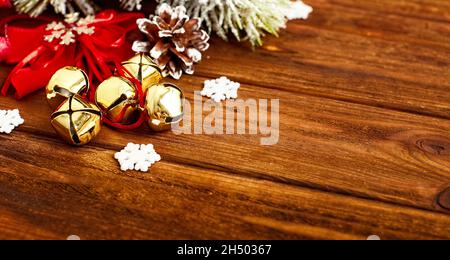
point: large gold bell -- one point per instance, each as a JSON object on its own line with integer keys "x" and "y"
{"x": 65, "y": 83}
{"x": 144, "y": 69}
{"x": 77, "y": 121}
{"x": 164, "y": 104}
{"x": 118, "y": 99}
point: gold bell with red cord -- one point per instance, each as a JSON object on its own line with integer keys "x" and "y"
{"x": 118, "y": 100}
{"x": 164, "y": 105}
{"x": 77, "y": 121}
{"x": 143, "y": 69}
{"x": 65, "y": 83}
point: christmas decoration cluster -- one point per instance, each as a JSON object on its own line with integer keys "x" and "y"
{"x": 106, "y": 67}
{"x": 244, "y": 19}
{"x": 88, "y": 48}
{"x": 38, "y": 47}
{"x": 123, "y": 101}
{"x": 174, "y": 37}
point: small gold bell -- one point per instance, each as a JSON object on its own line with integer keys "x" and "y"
{"x": 164, "y": 104}
{"x": 77, "y": 121}
{"x": 65, "y": 83}
{"x": 117, "y": 98}
{"x": 144, "y": 69}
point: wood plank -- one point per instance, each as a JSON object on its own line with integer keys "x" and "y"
{"x": 51, "y": 192}
{"x": 343, "y": 169}
{"x": 422, "y": 9}
{"x": 324, "y": 144}
{"x": 357, "y": 56}
{"x": 330, "y": 16}
{"x": 354, "y": 68}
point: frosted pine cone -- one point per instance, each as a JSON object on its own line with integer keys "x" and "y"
{"x": 175, "y": 41}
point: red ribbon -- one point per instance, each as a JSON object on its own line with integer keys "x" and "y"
{"x": 37, "y": 60}
{"x": 5, "y": 3}
{"x": 143, "y": 116}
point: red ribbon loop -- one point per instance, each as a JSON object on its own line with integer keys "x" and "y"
{"x": 123, "y": 72}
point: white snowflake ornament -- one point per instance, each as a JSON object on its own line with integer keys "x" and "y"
{"x": 9, "y": 119}
{"x": 73, "y": 27}
{"x": 298, "y": 10}
{"x": 137, "y": 157}
{"x": 220, "y": 89}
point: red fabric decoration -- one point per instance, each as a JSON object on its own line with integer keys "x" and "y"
{"x": 5, "y": 3}
{"x": 38, "y": 55}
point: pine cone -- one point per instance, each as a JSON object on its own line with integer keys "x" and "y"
{"x": 175, "y": 41}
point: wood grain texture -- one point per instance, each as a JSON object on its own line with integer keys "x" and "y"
{"x": 364, "y": 144}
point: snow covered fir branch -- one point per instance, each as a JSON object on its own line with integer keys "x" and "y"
{"x": 244, "y": 19}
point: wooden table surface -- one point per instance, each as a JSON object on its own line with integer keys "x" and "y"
{"x": 364, "y": 89}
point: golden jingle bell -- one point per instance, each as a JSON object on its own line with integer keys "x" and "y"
{"x": 144, "y": 69}
{"x": 77, "y": 121}
{"x": 117, "y": 98}
{"x": 66, "y": 82}
{"x": 164, "y": 104}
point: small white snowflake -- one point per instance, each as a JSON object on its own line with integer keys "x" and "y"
{"x": 54, "y": 35}
{"x": 55, "y": 26}
{"x": 298, "y": 10}
{"x": 68, "y": 38}
{"x": 137, "y": 157}
{"x": 220, "y": 89}
{"x": 9, "y": 119}
{"x": 85, "y": 30}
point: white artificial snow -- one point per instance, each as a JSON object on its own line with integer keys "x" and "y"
{"x": 298, "y": 10}
{"x": 9, "y": 119}
{"x": 137, "y": 157}
{"x": 220, "y": 89}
